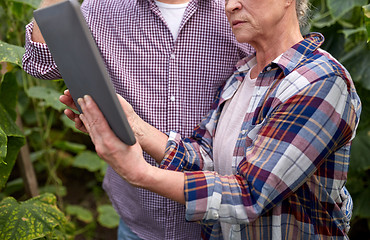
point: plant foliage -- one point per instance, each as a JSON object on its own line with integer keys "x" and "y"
{"x": 345, "y": 25}
{"x": 32, "y": 219}
{"x": 11, "y": 138}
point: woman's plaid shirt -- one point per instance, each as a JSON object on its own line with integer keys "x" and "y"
{"x": 170, "y": 84}
{"x": 291, "y": 158}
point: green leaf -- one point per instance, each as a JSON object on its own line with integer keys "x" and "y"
{"x": 11, "y": 140}
{"x": 54, "y": 189}
{"x": 81, "y": 213}
{"x": 11, "y": 53}
{"x": 33, "y": 3}
{"x": 13, "y": 147}
{"x": 49, "y": 95}
{"x": 367, "y": 10}
{"x": 8, "y": 125}
{"x": 340, "y": 7}
{"x": 70, "y": 146}
{"x": 357, "y": 62}
{"x": 89, "y": 160}
{"x": 360, "y": 145}
{"x": 70, "y": 124}
{"x": 34, "y": 218}
{"x": 367, "y": 20}
{"x": 3, "y": 146}
{"x": 348, "y": 32}
{"x": 12, "y": 187}
{"x": 323, "y": 20}
{"x": 9, "y": 94}
{"x": 108, "y": 216}
{"x": 361, "y": 205}
{"x": 364, "y": 94}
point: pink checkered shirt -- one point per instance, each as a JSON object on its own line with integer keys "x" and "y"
{"x": 170, "y": 84}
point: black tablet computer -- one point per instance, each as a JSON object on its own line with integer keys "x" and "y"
{"x": 80, "y": 63}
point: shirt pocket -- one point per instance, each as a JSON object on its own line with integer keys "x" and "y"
{"x": 247, "y": 135}
{"x": 235, "y": 232}
{"x": 253, "y": 130}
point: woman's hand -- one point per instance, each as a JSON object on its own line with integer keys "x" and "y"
{"x": 137, "y": 124}
{"x": 150, "y": 139}
{"x": 126, "y": 160}
{"x": 67, "y": 100}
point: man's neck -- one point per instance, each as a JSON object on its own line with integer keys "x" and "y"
{"x": 173, "y": 1}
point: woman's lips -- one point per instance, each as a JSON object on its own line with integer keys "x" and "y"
{"x": 236, "y": 23}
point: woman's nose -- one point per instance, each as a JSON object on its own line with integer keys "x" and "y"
{"x": 232, "y": 5}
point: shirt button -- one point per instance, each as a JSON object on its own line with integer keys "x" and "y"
{"x": 172, "y": 98}
{"x": 173, "y": 56}
{"x": 215, "y": 215}
{"x": 258, "y": 92}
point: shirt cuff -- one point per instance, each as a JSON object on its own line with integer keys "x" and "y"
{"x": 36, "y": 49}
{"x": 174, "y": 153}
{"x": 201, "y": 202}
{"x": 37, "y": 59}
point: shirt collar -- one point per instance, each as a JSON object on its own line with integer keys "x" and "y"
{"x": 290, "y": 59}
{"x": 287, "y": 61}
{"x": 152, "y": 2}
{"x": 293, "y": 57}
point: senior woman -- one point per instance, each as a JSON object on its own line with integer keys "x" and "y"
{"x": 270, "y": 159}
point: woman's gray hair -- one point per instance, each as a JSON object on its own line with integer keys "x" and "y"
{"x": 302, "y": 8}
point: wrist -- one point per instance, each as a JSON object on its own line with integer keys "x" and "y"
{"x": 143, "y": 176}
{"x": 169, "y": 184}
{"x": 151, "y": 140}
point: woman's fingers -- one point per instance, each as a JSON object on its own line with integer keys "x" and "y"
{"x": 125, "y": 160}
{"x": 68, "y": 101}
{"x": 75, "y": 117}
{"x": 127, "y": 108}
{"x": 94, "y": 120}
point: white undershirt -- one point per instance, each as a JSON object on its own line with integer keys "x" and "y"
{"x": 228, "y": 130}
{"x": 173, "y": 14}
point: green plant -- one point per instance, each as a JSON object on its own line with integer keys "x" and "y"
{"x": 57, "y": 150}
{"x": 345, "y": 25}
{"x": 36, "y": 218}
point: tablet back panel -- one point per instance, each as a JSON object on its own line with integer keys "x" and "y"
{"x": 79, "y": 61}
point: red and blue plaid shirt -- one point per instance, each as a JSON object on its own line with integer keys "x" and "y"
{"x": 291, "y": 157}
{"x": 170, "y": 83}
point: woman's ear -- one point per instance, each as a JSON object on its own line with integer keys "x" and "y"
{"x": 289, "y": 2}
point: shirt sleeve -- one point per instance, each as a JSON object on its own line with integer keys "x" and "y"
{"x": 289, "y": 145}
{"x": 37, "y": 60}
{"x": 189, "y": 154}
